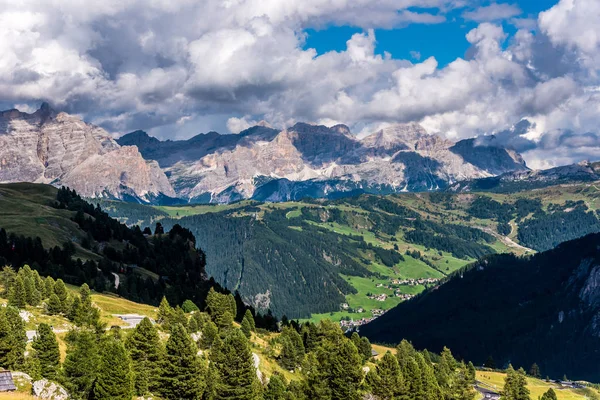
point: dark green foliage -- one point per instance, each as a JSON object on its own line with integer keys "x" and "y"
{"x": 60, "y": 290}
{"x": 535, "y": 371}
{"x": 53, "y": 306}
{"x": 188, "y": 306}
{"x": 548, "y": 230}
{"x": 549, "y": 395}
{"x": 146, "y": 353}
{"x": 81, "y": 364}
{"x": 523, "y": 298}
{"x": 47, "y": 352}
{"x": 276, "y": 388}
{"x": 232, "y": 363}
{"x": 182, "y": 374}
{"x": 209, "y": 333}
{"x": 246, "y": 328}
{"x": 515, "y": 385}
{"x": 18, "y": 295}
{"x": 386, "y": 382}
{"x": 13, "y": 340}
{"x": 292, "y": 349}
{"x": 114, "y": 376}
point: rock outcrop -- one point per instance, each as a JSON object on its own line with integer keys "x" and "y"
{"x": 58, "y": 148}
{"x": 317, "y": 161}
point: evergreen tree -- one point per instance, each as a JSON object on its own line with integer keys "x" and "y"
{"x": 146, "y": 354}
{"x": 515, "y": 385}
{"x": 232, "y": 305}
{"x": 114, "y": 376}
{"x": 248, "y": 315}
{"x": 48, "y": 354}
{"x": 209, "y": 333}
{"x": 490, "y": 363}
{"x": 276, "y": 388}
{"x": 233, "y": 364}
{"x": 179, "y": 317}
{"x": 18, "y": 295}
{"x": 159, "y": 230}
{"x": 193, "y": 325}
{"x": 63, "y": 295}
{"x": 29, "y": 285}
{"x": 471, "y": 373}
{"x": 48, "y": 286}
{"x": 534, "y": 371}
{"x": 292, "y": 351}
{"x": 388, "y": 383}
{"x": 188, "y": 306}
{"x": 80, "y": 366}
{"x": 165, "y": 313}
{"x": 246, "y": 328}
{"x": 13, "y": 339}
{"x": 7, "y": 279}
{"x": 224, "y": 321}
{"x": 549, "y": 395}
{"x": 182, "y": 374}
{"x": 364, "y": 349}
{"x": 53, "y": 307}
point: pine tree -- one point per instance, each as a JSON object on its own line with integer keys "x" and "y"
{"x": 114, "y": 376}
{"x": 490, "y": 363}
{"x": 80, "y": 366}
{"x": 471, "y": 373}
{"x": 276, "y": 388}
{"x": 7, "y": 278}
{"x": 389, "y": 383}
{"x": 179, "y": 317}
{"x": 549, "y": 395}
{"x": 431, "y": 389}
{"x": 292, "y": 351}
{"x": 534, "y": 371}
{"x": 46, "y": 347}
{"x": 248, "y": 315}
{"x": 364, "y": 349}
{"x": 13, "y": 339}
{"x": 36, "y": 297}
{"x": 165, "y": 313}
{"x": 234, "y": 367}
{"x": 193, "y": 325}
{"x": 188, "y": 306}
{"x": 18, "y": 295}
{"x": 29, "y": 289}
{"x": 224, "y": 321}
{"x": 48, "y": 286}
{"x": 181, "y": 371}
{"x": 232, "y": 305}
{"x": 246, "y": 328}
{"x": 209, "y": 333}
{"x": 63, "y": 295}
{"x": 515, "y": 385}
{"x": 146, "y": 354}
{"x": 53, "y": 307}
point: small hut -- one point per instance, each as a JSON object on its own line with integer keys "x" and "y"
{"x": 6, "y": 382}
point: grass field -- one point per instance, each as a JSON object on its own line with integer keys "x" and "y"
{"x": 537, "y": 387}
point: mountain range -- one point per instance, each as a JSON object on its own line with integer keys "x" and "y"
{"x": 58, "y": 148}
{"x": 260, "y": 163}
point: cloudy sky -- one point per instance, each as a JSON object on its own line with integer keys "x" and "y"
{"x": 461, "y": 68}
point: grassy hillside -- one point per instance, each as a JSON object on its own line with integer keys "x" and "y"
{"x": 26, "y": 209}
{"x": 420, "y": 227}
{"x": 537, "y": 387}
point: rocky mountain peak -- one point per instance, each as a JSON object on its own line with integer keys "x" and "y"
{"x": 58, "y": 148}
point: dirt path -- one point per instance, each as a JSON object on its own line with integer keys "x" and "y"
{"x": 506, "y": 240}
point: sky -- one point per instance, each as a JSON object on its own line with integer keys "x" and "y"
{"x": 460, "y": 68}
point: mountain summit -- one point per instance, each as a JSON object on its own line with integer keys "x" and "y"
{"x": 318, "y": 161}
{"x": 58, "y": 148}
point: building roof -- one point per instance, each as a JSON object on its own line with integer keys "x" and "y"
{"x": 6, "y": 382}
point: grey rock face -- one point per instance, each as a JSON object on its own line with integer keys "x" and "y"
{"x": 57, "y": 148}
{"x": 318, "y": 161}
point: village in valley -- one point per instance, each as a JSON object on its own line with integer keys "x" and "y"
{"x": 395, "y": 286}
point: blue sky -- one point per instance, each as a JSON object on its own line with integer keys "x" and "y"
{"x": 444, "y": 41}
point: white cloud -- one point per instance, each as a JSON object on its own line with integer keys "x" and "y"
{"x": 180, "y": 68}
{"x": 493, "y": 12}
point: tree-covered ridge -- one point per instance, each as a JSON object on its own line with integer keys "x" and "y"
{"x": 521, "y": 310}
{"x": 354, "y": 248}
{"x": 148, "y": 265}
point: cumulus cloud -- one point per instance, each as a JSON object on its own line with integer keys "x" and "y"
{"x": 179, "y": 68}
{"x": 493, "y": 12}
